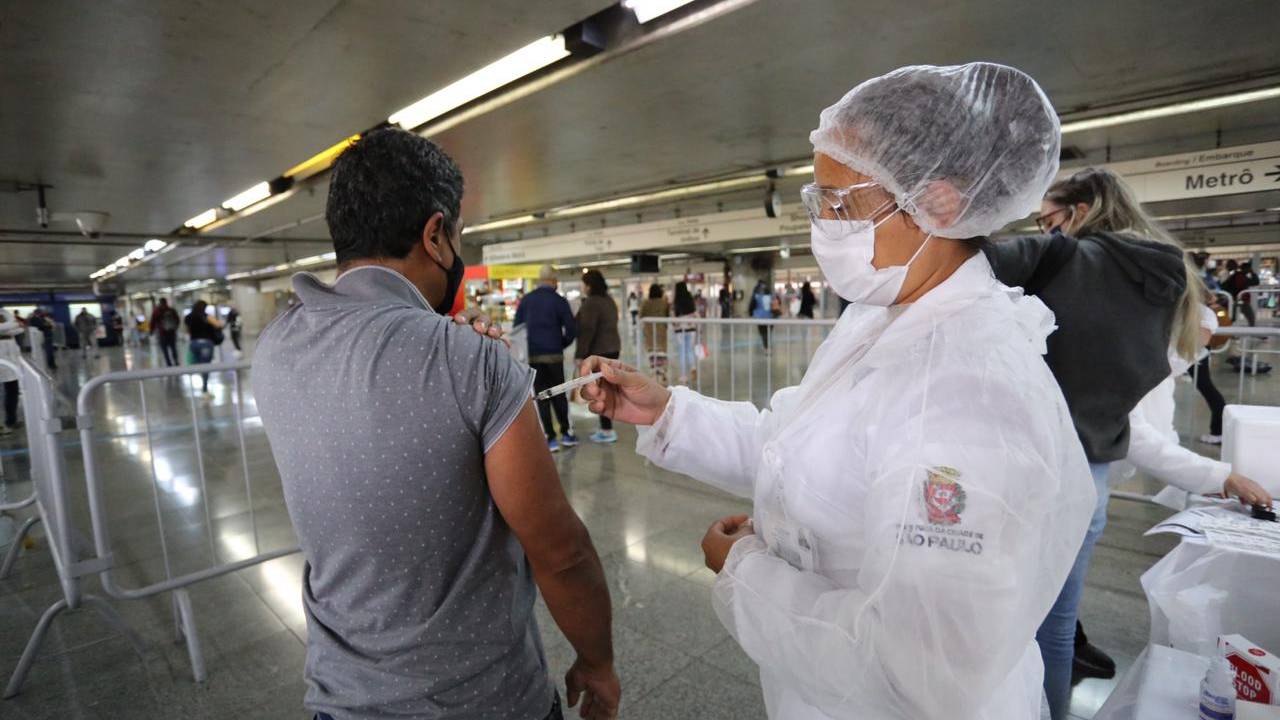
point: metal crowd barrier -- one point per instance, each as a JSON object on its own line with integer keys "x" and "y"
{"x": 185, "y": 617}
{"x": 49, "y": 474}
{"x": 791, "y": 343}
{"x": 1259, "y": 299}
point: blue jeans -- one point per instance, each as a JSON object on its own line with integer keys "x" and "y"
{"x": 202, "y": 352}
{"x": 1057, "y": 634}
{"x": 686, "y": 341}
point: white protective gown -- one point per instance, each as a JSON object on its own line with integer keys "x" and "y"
{"x": 919, "y": 499}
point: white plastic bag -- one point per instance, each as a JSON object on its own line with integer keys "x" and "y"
{"x": 1198, "y": 592}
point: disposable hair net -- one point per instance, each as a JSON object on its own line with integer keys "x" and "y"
{"x": 964, "y": 149}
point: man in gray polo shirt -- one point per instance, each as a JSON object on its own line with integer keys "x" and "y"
{"x": 416, "y": 473}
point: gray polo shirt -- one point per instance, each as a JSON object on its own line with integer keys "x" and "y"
{"x": 419, "y": 600}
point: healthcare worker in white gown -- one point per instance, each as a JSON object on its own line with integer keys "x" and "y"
{"x": 921, "y": 495}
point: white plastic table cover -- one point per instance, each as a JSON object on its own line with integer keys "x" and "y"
{"x": 1198, "y": 592}
{"x": 1163, "y": 684}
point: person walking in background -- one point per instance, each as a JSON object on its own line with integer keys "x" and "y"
{"x": 726, "y": 303}
{"x": 633, "y": 306}
{"x": 655, "y": 334}
{"x": 1204, "y": 377}
{"x": 164, "y": 327}
{"x": 761, "y": 308}
{"x": 205, "y": 336}
{"x": 233, "y": 326}
{"x": 549, "y": 328}
{"x": 1241, "y": 279}
{"x": 87, "y": 329}
{"x": 117, "y": 326}
{"x": 42, "y": 321}
{"x": 10, "y": 329}
{"x": 807, "y": 301}
{"x": 598, "y": 335}
{"x": 686, "y": 335}
{"x": 1201, "y": 261}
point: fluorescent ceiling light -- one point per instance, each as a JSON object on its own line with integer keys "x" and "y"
{"x": 202, "y": 219}
{"x": 154, "y": 245}
{"x": 257, "y": 193}
{"x": 138, "y": 254}
{"x": 672, "y": 194}
{"x": 1180, "y": 108}
{"x": 496, "y": 224}
{"x": 315, "y": 259}
{"x": 534, "y": 56}
{"x": 622, "y": 202}
{"x": 238, "y": 276}
{"x": 647, "y": 10}
{"x": 800, "y": 170}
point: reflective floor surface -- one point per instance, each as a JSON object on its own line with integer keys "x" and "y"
{"x": 674, "y": 658}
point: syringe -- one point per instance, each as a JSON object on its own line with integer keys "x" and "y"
{"x": 565, "y": 387}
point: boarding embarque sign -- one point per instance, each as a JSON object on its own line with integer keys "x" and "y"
{"x": 1204, "y": 173}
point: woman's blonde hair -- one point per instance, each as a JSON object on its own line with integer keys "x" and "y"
{"x": 1112, "y": 208}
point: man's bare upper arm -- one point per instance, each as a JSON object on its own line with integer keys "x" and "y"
{"x": 526, "y": 488}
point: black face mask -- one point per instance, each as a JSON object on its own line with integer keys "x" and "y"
{"x": 454, "y": 274}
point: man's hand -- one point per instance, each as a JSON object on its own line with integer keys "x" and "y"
{"x": 623, "y": 394}
{"x": 1249, "y": 492}
{"x": 721, "y": 537}
{"x": 597, "y": 687}
{"x": 480, "y": 323}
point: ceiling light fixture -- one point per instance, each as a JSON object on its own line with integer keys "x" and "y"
{"x": 498, "y": 224}
{"x": 1180, "y": 108}
{"x": 647, "y": 10}
{"x": 532, "y": 57}
{"x": 660, "y": 195}
{"x": 257, "y": 193}
{"x": 315, "y": 259}
{"x": 154, "y": 245}
{"x": 798, "y": 170}
{"x": 138, "y": 254}
{"x": 202, "y": 219}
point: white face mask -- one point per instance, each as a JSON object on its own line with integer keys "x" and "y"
{"x": 846, "y": 261}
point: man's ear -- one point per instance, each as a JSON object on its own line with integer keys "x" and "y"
{"x": 434, "y": 236}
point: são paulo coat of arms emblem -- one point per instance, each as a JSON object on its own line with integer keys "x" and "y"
{"x": 943, "y": 496}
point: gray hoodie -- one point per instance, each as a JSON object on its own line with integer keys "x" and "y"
{"x": 1114, "y": 300}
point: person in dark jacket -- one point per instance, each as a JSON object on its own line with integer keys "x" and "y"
{"x": 205, "y": 336}
{"x": 598, "y": 335}
{"x": 1243, "y": 278}
{"x": 164, "y": 327}
{"x": 550, "y": 328}
{"x": 807, "y": 301}
{"x": 1119, "y": 290}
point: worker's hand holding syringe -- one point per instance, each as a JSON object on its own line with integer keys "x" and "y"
{"x": 619, "y": 392}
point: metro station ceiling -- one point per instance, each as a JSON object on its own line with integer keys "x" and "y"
{"x": 154, "y": 111}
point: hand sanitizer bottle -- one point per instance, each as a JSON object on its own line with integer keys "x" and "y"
{"x": 1218, "y": 691}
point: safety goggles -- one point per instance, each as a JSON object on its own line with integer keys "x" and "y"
{"x": 1046, "y": 222}
{"x": 851, "y": 205}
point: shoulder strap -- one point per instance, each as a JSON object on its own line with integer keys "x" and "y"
{"x": 1061, "y": 249}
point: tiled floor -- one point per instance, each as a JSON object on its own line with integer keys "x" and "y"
{"x": 674, "y": 658}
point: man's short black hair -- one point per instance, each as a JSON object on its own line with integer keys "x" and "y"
{"x": 383, "y": 190}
